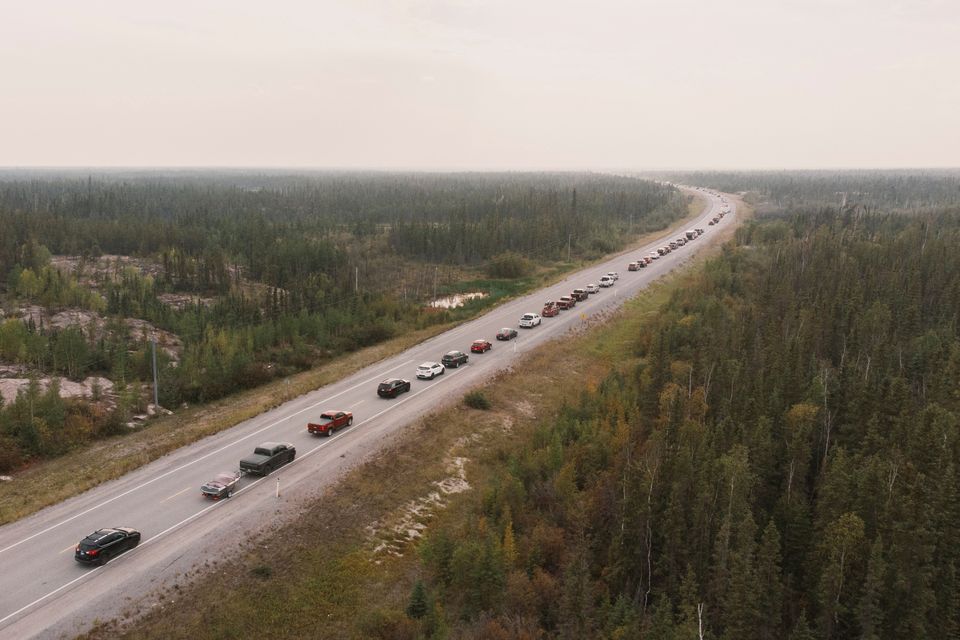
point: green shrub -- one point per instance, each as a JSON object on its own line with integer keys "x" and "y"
{"x": 509, "y": 265}
{"x": 477, "y": 400}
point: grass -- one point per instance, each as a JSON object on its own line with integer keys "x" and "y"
{"x": 52, "y": 481}
{"x": 347, "y": 589}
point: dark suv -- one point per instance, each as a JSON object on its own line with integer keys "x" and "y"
{"x": 453, "y": 359}
{"x": 393, "y": 387}
{"x": 100, "y": 546}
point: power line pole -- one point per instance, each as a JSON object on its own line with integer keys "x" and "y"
{"x": 569, "y": 236}
{"x": 156, "y": 388}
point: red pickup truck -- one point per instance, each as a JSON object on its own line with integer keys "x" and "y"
{"x": 550, "y": 309}
{"x": 330, "y": 421}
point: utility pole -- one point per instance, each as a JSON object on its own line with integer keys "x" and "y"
{"x": 569, "y": 237}
{"x": 436, "y": 273}
{"x": 356, "y": 279}
{"x": 156, "y": 388}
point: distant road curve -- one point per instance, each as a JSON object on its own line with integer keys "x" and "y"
{"x": 45, "y": 593}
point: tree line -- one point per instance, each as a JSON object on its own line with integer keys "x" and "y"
{"x": 280, "y": 272}
{"x": 780, "y": 461}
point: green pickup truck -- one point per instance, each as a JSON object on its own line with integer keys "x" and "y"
{"x": 267, "y": 457}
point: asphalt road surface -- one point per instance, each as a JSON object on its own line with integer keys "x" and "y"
{"x": 45, "y": 593}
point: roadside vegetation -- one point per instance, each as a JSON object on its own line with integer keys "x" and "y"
{"x": 359, "y": 585}
{"x": 773, "y": 453}
{"x": 243, "y": 279}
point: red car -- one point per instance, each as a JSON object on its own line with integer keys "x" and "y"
{"x": 566, "y": 302}
{"x": 480, "y": 346}
{"x": 550, "y": 309}
{"x": 330, "y": 421}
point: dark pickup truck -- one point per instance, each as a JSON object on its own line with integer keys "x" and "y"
{"x": 267, "y": 457}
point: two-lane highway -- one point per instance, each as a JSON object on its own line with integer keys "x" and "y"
{"x": 44, "y": 592}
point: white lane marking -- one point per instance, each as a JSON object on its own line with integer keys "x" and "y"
{"x": 42, "y": 598}
{"x": 192, "y": 462}
{"x": 73, "y": 546}
{"x": 271, "y": 425}
{"x": 175, "y": 495}
{"x": 393, "y": 405}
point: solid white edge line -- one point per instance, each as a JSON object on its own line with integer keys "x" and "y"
{"x": 196, "y": 460}
{"x": 216, "y": 504}
{"x": 91, "y": 572}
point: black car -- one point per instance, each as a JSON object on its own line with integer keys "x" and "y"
{"x": 100, "y": 546}
{"x": 453, "y": 359}
{"x": 393, "y": 387}
{"x": 507, "y": 333}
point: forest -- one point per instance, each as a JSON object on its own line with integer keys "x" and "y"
{"x": 779, "y": 459}
{"x": 273, "y": 272}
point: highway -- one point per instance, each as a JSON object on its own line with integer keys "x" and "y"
{"x": 45, "y": 593}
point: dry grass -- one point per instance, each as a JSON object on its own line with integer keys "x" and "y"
{"x": 347, "y": 589}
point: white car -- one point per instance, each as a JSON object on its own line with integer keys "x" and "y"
{"x": 429, "y": 370}
{"x": 529, "y": 320}
{"x": 613, "y": 275}
{"x": 653, "y": 255}
{"x": 592, "y": 288}
{"x": 606, "y": 281}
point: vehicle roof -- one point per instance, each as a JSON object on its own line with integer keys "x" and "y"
{"x": 455, "y": 352}
{"x": 332, "y": 412}
{"x": 506, "y": 329}
{"x": 428, "y": 364}
{"x": 271, "y": 445}
{"x": 99, "y": 534}
{"x": 391, "y": 380}
{"x": 480, "y": 340}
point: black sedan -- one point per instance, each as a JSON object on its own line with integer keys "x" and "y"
{"x": 507, "y": 333}
{"x": 100, "y": 546}
{"x": 392, "y": 387}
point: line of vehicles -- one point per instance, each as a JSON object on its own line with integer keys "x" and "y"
{"x": 104, "y": 544}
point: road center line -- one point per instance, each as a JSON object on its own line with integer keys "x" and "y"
{"x": 192, "y": 462}
{"x": 176, "y": 494}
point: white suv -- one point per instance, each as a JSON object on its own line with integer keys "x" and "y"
{"x": 429, "y": 370}
{"x": 529, "y": 320}
{"x": 606, "y": 281}
{"x": 613, "y": 275}
{"x": 592, "y": 288}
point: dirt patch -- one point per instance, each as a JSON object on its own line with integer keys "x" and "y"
{"x": 96, "y": 327}
{"x": 393, "y": 534}
{"x": 92, "y": 272}
{"x": 94, "y": 387}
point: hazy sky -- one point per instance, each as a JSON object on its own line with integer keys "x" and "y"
{"x": 474, "y": 84}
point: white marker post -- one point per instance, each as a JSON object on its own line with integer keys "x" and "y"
{"x": 278, "y": 487}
